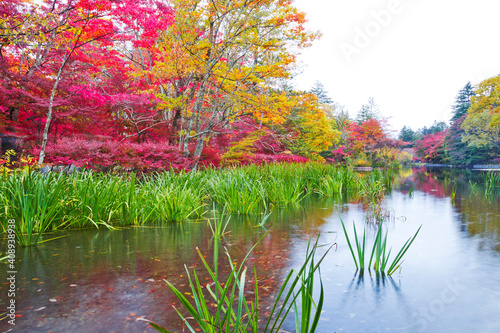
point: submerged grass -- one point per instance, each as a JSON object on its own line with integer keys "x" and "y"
{"x": 41, "y": 203}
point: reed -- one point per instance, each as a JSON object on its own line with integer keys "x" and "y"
{"x": 380, "y": 254}
{"x": 42, "y": 203}
{"x": 492, "y": 183}
{"x": 233, "y": 312}
{"x": 238, "y": 192}
{"x": 35, "y": 203}
{"x": 453, "y": 193}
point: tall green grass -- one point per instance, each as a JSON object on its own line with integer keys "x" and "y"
{"x": 492, "y": 183}
{"x": 233, "y": 311}
{"x": 42, "y": 203}
{"x": 35, "y": 203}
{"x": 380, "y": 254}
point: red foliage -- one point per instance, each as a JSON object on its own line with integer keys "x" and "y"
{"x": 263, "y": 159}
{"x": 431, "y": 147}
{"x": 143, "y": 157}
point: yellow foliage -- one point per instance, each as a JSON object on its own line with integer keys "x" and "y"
{"x": 486, "y": 99}
{"x": 7, "y": 165}
{"x": 241, "y": 149}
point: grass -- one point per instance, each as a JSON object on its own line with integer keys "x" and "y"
{"x": 224, "y": 307}
{"x": 380, "y": 254}
{"x": 492, "y": 183}
{"x": 41, "y": 203}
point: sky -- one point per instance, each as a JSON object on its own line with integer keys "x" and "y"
{"x": 411, "y": 56}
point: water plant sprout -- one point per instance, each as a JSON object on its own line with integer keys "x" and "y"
{"x": 380, "y": 255}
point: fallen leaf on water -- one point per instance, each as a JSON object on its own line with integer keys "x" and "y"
{"x": 151, "y": 291}
{"x": 110, "y": 289}
{"x": 131, "y": 314}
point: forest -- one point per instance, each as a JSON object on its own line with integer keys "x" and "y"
{"x": 473, "y": 136}
{"x": 152, "y": 85}
{"x": 206, "y": 181}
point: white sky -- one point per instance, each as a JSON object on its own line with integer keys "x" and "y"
{"x": 413, "y": 66}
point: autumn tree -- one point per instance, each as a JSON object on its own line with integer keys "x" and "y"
{"x": 46, "y": 44}
{"x": 431, "y": 147}
{"x": 64, "y": 65}
{"x": 487, "y": 98}
{"x": 482, "y": 136}
{"x": 308, "y": 128}
{"x": 233, "y": 51}
{"x": 457, "y": 150}
{"x": 480, "y": 125}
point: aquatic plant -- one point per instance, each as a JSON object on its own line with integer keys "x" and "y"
{"x": 492, "y": 183}
{"x": 233, "y": 312}
{"x": 380, "y": 255}
{"x": 34, "y": 202}
{"x": 53, "y": 201}
{"x": 453, "y": 193}
{"x": 472, "y": 188}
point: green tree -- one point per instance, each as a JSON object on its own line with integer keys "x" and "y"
{"x": 436, "y": 127}
{"x": 462, "y": 102}
{"x": 407, "y": 135}
{"x": 319, "y": 90}
{"x": 368, "y": 111}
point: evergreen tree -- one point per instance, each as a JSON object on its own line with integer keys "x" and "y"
{"x": 436, "y": 127}
{"x": 462, "y": 102}
{"x": 407, "y": 135}
{"x": 368, "y": 111}
{"x": 319, "y": 90}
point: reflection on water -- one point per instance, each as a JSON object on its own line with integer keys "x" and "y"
{"x": 102, "y": 281}
{"x": 479, "y": 213}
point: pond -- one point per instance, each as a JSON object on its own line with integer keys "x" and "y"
{"x": 106, "y": 281}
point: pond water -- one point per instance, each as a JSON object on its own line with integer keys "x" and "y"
{"x": 105, "y": 281}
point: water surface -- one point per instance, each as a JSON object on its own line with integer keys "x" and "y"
{"x": 103, "y": 281}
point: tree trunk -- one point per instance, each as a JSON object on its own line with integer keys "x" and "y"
{"x": 196, "y": 112}
{"x": 14, "y": 113}
{"x": 198, "y": 150}
{"x": 45, "y": 134}
{"x": 175, "y": 122}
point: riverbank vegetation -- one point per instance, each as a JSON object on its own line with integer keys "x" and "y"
{"x": 473, "y": 136}
{"x": 54, "y": 201}
{"x": 153, "y": 85}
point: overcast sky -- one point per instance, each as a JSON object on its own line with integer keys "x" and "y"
{"x": 412, "y": 56}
